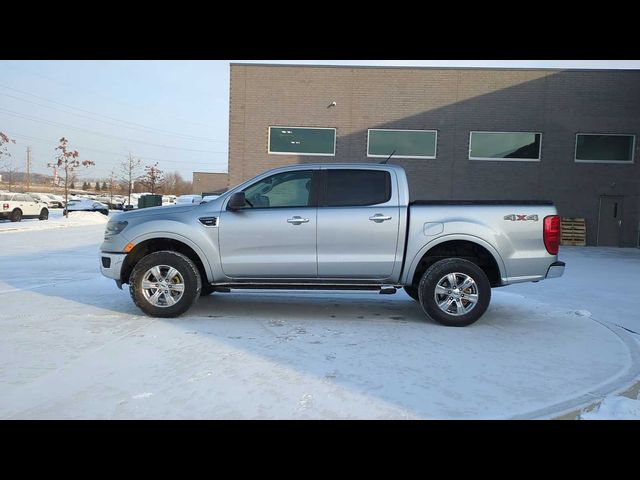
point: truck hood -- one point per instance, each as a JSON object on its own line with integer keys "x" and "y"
{"x": 155, "y": 211}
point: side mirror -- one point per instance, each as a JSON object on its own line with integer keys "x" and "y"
{"x": 236, "y": 201}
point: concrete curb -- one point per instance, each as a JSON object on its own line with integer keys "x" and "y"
{"x": 626, "y": 384}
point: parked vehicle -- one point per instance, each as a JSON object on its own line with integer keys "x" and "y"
{"x": 42, "y": 198}
{"x": 87, "y": 206}
{"x": 182, "y": 199}
{"x": 16, "y": 206}
{"x": 333, "y": 226}
{"x": 55, "y": 201}
{"x": 112, "y": 203}
{"x": 168, "y": 199}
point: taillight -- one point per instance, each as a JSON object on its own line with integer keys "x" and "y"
{"x": 5, "y": 206}
{"x": 552, "y": 234}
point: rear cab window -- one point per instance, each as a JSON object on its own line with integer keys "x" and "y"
{"x": 356, "y": 187}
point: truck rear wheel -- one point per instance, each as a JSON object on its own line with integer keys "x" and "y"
{"x": 165, "y": 284}
{"x": 454, "y": 292}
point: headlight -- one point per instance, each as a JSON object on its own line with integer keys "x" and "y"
{"x": 114, "y": 228}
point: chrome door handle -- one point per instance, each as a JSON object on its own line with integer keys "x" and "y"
{"x": 297, "y": 220}
{"x": 379, "y": 218}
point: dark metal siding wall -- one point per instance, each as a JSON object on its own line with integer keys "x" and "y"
{"x": 557, "y": 103}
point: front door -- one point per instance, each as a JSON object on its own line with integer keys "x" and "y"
{"x": 274, "y": 236}
{"x": 358, "y": 221}
{"x": 610, "y": 221}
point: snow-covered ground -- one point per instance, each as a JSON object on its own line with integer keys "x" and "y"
{"x": 615, "y": 408}
{"x": 56, "y": 220}
{"x": 74, "y": 346}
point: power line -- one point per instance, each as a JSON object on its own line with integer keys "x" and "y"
{"x": 75, "y": 88}
{"x": 44, "y": 140}
{"x": 58, "y": 124}
{"x": 136, "y": 126}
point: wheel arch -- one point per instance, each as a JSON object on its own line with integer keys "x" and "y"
{"x": 168, "y": 241}
{"x": 468, "y": 247}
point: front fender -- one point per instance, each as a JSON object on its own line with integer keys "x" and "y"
{"x": 197, "y": 237}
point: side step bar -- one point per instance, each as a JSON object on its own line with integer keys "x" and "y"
{"x": 383, "y": 289}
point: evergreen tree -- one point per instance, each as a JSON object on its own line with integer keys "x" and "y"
{"x": 73, "y": 185}
{"x": 104, "y": 186}
{"x": 98, "y": 186}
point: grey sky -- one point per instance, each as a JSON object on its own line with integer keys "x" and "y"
{"x": 173, "y": 112}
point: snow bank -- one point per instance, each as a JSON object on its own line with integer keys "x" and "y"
{"x": 615, "y": 408}
{"x": 56, "y": 220}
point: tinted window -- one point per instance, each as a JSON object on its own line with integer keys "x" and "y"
{"x": 357, "y": 187}
{"x": 288, "y": 189}
{"x": 405, "y": 143}
{"x": 4, "y": 197}
{"x": 506, "y": 145}
{"x": 21, "y": 198}
{"x": 310, "y": 141}
{"x": 604, "y": 148}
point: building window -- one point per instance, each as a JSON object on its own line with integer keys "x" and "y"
{"x": 604, "y": 148}
{"x": 405, "y": 143}
{"x": 302, "y": 141}
{"x": 505, "y": 146}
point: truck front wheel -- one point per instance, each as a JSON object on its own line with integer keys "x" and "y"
{"x": 412, "y": 291}
{"x": 165, "y": 284}
{"x": 454, "y": 292}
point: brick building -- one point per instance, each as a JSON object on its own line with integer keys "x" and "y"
{"x": 563, "y": 135}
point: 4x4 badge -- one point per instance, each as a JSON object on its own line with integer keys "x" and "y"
{"x": 516, "y": 218}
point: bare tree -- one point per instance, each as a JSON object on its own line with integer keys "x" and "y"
{"x": 111, "y": 184}
{"x": 67, "y": 160}
{"x": 4, "y": 151}
{"x": 174, "y": 184}
{"x": 153, "y": 178}
{"x": 129, "y": 173}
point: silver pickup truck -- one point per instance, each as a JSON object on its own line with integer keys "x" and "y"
{"x": 332, "y": 226}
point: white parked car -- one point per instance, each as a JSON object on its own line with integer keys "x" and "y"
{"x": 189, "y": 199}
{"x": 16, "y": 206}
{"x": 56, "y": 201}
{"x": 87, "y": 206}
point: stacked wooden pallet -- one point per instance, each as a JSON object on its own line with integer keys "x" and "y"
{"x": 573, "y": 231}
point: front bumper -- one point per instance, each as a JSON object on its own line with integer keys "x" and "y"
{"x": 111, "y": 264}
{"x": 556, "y": 269}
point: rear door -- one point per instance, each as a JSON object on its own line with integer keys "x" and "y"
{"x": 358, "y": 221}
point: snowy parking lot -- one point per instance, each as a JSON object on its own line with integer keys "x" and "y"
{"x": 72, "y": 345}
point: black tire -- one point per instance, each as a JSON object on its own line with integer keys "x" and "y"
{"x": 207, "y": 289}
{"x": 16, "y": 215}
{"x": 412, "y": 291}
{"x": 435, "y": 273}
{"x": 44, "y": 214}
{"x": 185, "y": 267}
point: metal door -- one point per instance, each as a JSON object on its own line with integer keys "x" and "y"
{"x": 610, "y": 221}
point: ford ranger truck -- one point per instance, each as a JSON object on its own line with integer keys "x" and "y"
{"x": 332, "y": 227}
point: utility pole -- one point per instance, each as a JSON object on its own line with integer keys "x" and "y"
{"x": 28, "y": 167}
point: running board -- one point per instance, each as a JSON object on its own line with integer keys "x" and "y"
{"x": 383, "y": 289}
